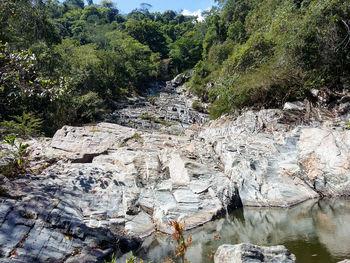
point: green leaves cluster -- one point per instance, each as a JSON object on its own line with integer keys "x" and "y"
{"x": 16, "y": 153}
{"x": 25, "y": 126}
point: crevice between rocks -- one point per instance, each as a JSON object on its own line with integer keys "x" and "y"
{"x": 88, "y": 157}
{"x": 235, "y": 203}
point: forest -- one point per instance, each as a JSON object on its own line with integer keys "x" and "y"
{"x": 68, "y": 62}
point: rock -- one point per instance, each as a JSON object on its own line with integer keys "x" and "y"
{"x": 140, "y": 226}
{"x": 267, "y": 158}
{"x": 182, "y": 78}
{"x": 325, "y": 156}
{"x": 244, "y": 253}
{"x": 297, "y": 105}
{"x": 85, "y": 143}
{"x": 167, "y": 108}
{"x": 345, "y": 261}
{"x": 344, "y": 105}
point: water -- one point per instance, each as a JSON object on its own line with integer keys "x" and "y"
{"x": 315, "y": 231}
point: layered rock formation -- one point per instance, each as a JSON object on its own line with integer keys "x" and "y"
{"x": 94, "y": 185}
{"x": 275, "y": 163}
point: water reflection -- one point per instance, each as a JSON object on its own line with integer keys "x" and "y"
{"x": 315, "y": 231}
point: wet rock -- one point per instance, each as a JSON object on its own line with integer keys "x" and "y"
{"x": 244, "y": 253}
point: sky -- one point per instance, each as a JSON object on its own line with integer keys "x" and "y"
{"x": 187, "y": 6}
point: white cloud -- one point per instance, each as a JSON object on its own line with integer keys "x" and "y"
{"x": 197, "y": 13}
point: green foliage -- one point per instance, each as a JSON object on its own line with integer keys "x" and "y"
{"x": 197, "y": 105}
{"x": 23, "y": 22}
{"x": 24, "y": 126}
{"x": 112, "y": 260}
{"x": 131, "y": 259}
{"x": 153, "y": 119}
{"x": 185, "y": 52}
{"x": 67, "y": 63}
{"x": 18, "y": 153}
{"x": 263, "y": 53}
{"x": 149, "y": 33}
{"x": 89, "y": 107}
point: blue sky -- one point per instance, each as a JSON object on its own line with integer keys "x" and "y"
{"x": 161, "y": 5}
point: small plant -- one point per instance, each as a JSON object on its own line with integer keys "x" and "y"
{"x": 18, "y": 152}
{"x": 198, "y": 106}
{"x": 28, "y": 215}
{"x": 135, "y": 137}
{"x": 26, "y": 125}
{"x": 183, "y": 243}
{"x": 348, "y": 124}
{"x": 20, "y": 148}
{"x": 113, "y": 259}
{"x": 153, "y": 119}
{"x": 95, "y": 129}
{"x": 131, "y": 259}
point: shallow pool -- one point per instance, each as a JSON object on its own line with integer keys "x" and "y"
{"x": 315, "y": 231}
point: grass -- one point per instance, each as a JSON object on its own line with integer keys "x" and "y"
{"x": 135, "y": 137}
{"x": 198, "y": 106}
{"x": 153, "y": 119}
{"x": 131, "y": 259}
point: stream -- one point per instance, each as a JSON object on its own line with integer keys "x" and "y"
{"x": 315, "y": 231}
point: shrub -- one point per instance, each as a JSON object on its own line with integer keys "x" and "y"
{"x": 18, "y": 153}
{"x": 197, "y": 105}
{"x": 182, "y": 242}
{"x": 25, "y": 126}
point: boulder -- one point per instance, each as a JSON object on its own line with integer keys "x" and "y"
{"x": 297, "y": 105}
{"x": 248, "y": 253}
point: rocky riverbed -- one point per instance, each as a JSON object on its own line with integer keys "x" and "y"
{"x": 104, "y": 187}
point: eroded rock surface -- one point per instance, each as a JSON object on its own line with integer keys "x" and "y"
{"x": 274, "y": 163}
{"x": 246, "y": 253}
{"x": 167, "y": 107}
{"x": 115, "y": 182}
{"x": 102, "y": 187}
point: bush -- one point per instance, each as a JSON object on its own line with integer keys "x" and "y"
{"x": 24, "y": 126}
{"x": 17, "y": 153}
{"x": 197, "y": 105}
{"x": 279, "y": 50}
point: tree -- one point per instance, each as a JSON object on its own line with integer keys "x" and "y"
{"x": 149, "y": 33}
{"x": 75, "y": 3}
{"x": 185, "y": 53}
